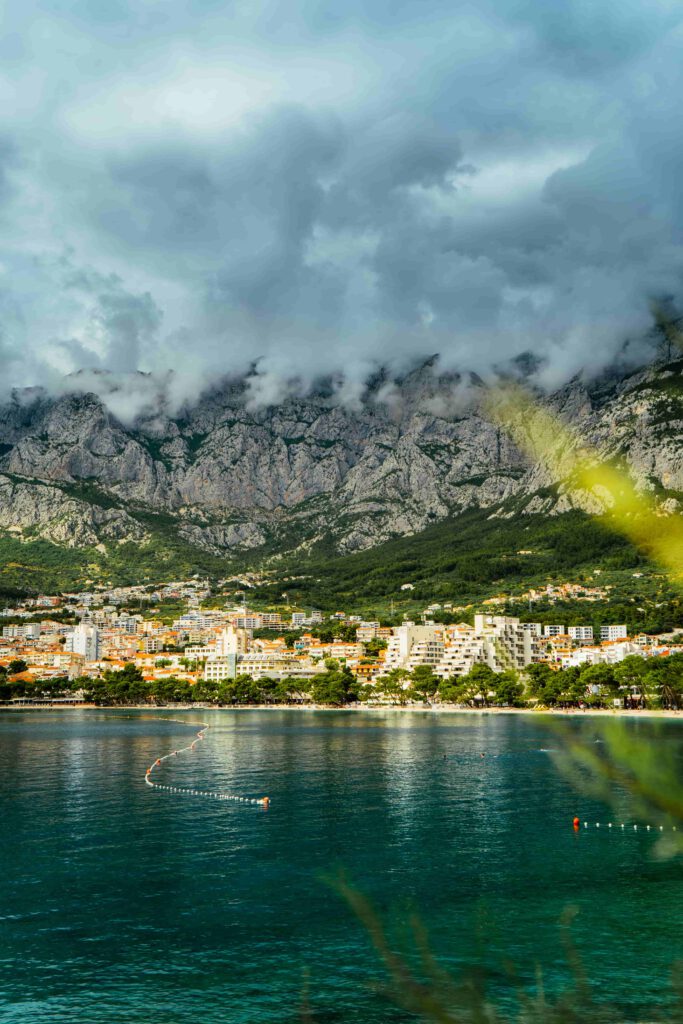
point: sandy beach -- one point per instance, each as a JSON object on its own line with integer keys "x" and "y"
{"x": 444, "y": 709}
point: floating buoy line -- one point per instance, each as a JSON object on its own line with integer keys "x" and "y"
{"x": 261, "y": 801}
{"x": 621, "y": 826}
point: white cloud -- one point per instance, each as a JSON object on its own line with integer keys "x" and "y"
{"x": 322, "y": 190}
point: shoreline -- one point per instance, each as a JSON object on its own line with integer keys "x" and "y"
{"x": 444, "y": 709}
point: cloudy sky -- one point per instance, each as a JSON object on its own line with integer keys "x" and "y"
{"x": 315, "y": 186}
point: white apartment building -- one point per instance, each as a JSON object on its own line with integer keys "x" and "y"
{"x": 127, "y": 623}
{"x": 426, "y": 652}
{"x": 197, "y": 621}
{"x": 618, "y": 651}
{"x": 151, "y": 645}
{"x": 402, "y": 647}
{"x": 259, "y": 665}
{"x": 498, "y": 641}
{"x": 64, "y": 659}
{"x": 619, "y": 632}
{"x": 219, "y": 668}
{"x": 337, "y": 649}
{"x": 509, "y": 645}
{"x": 116, "y": 645}
{"x": 366, "y": 631}
{"x": 300, "y": 619}
{"x": 198, "y": 636}
{"x": 222, "y": 657}
{"x": 601, "y": 655}
{"x": 247, "y": 621}
{"x": 228, "y": 641}
{"x": 85, "y": 640}
{"x": 582, "y": 634}
{"x": 233, "y": 640}
{"x": 554, "y": 631}
{"x": 278, "y": 666}
{"x": 582, "y": 656}
{"x": 198, "y": 652}
{"x": 31, "y": 631}
{"x": 463, "y": 649}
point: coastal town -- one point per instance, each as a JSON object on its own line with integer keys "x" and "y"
{"x": 75, "y": 637}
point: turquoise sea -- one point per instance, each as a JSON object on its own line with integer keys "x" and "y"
{"x": 121, "y": 904}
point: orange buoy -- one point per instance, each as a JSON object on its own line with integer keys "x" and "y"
{"x": 577, "y": 822}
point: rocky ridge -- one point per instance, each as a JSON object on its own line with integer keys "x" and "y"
{"x": 229, "y": 477}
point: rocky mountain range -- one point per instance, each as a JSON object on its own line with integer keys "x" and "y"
{"x": 226, "y": 477}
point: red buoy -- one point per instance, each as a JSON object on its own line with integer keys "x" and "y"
{"x": 577, "y": 822}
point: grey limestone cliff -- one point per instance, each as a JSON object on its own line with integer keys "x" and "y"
{"x": 232, "y": 477}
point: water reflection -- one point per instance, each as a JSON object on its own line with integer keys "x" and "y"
{"x": 118, "y": 898}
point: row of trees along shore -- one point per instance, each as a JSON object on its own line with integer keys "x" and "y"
{"x": 638, "y": 682}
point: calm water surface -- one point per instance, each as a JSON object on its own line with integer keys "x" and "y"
{"x": 123, "y": 904}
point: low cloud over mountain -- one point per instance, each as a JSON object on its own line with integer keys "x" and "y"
{"x": 307, "y": 188}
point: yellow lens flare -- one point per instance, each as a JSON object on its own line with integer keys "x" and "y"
{"x": 548, "y": 441}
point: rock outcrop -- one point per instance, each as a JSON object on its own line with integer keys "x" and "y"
{"x": 231, "y": 477}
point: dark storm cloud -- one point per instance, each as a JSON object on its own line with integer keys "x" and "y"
{"x": 316, "y": 188}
